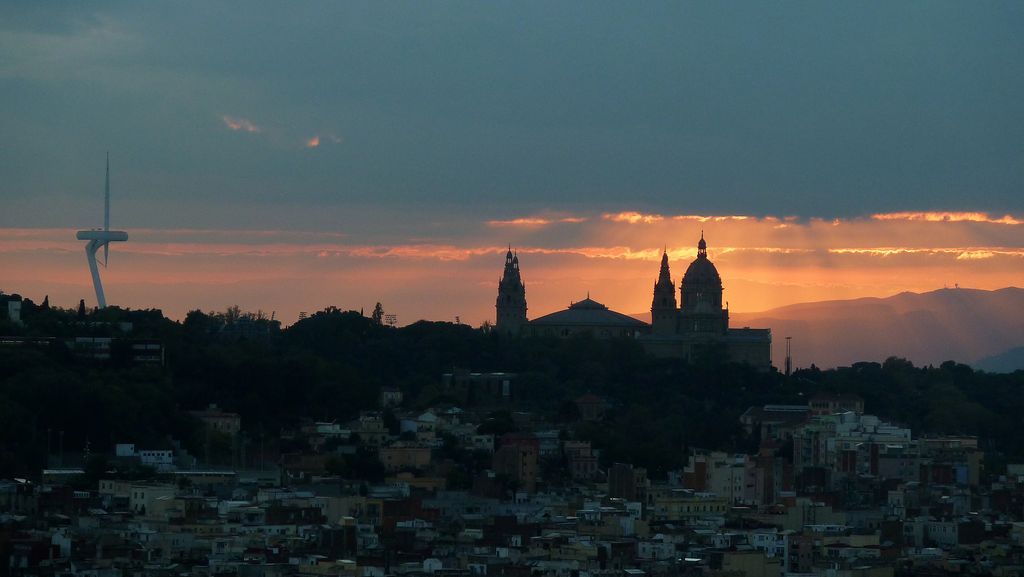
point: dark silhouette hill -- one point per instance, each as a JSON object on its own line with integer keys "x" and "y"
{"x": 965, "y": 325}
{"x": 333, "y": 365}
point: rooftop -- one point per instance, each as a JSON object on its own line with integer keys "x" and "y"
{"x": 588, "y": 312}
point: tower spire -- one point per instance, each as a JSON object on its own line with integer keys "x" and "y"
{"x": 663, "y": 306}
{"x": 664, "y": 275}
{"x": 511, "y": 302}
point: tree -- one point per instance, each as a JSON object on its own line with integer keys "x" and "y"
{"x": 232, "y": 314}
{"x": 378, "y": 314}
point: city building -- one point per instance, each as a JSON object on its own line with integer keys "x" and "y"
{"x": 517, "y": 459}
{"x": 218, "y": 420}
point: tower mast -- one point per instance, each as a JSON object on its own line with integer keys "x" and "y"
{"x": 106, "y": 212}
{"x": 101, "y": 238}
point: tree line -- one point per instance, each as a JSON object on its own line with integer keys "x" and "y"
{"x": 332, "y": 365}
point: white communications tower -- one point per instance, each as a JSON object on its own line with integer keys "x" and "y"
{"x": 101, "y": 238}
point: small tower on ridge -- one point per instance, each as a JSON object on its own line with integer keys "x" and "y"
{"x": 511, "y": 303}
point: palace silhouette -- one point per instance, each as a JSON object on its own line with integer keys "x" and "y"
{"x": 695, "y": 325}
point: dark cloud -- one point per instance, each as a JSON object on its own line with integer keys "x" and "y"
{"x": 511, "y": 108}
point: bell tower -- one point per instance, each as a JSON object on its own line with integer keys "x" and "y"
{"x": 511, "y": 303}
{"x": 664, "y": 314}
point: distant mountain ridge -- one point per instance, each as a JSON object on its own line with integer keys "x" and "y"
{"x": 965, "y": 325}
{"x": 1005, "y": 362}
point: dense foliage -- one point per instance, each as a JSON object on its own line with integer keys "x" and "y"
{"x": 333, "y": 364}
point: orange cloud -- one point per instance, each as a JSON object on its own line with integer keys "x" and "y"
{"x": 242, "y": 124}
{"x": 422, "y": 251}
{"x": 531, "y": 221}
{"x": 758, "y": 249}
{"x": 633, "y": 217}
{"x": 316, "y": 140}
{"x": 948, "y": 217}
{"x": 699, "y": 218}
{"x": 979, "y": 255}
{"x": 534, "y": 221}
{"x": 973, "y": 253}
{"x": 599, "y": 252}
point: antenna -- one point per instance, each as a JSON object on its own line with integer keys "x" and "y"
{"x": 106, "y": 212}
{"x": 789, "y": 356}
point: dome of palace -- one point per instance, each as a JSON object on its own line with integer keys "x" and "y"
{"x": 702, "y": 272}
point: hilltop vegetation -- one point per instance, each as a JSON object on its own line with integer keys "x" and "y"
{"x": 333, "y": 364}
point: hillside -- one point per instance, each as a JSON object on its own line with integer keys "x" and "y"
{"x": 965, "y": 325}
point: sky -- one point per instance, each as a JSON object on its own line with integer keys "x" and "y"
{"x": 286, "y": 157}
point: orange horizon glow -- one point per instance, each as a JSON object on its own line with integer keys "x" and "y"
{"x": 765, "y": 262}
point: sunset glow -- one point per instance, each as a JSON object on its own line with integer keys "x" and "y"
{"x": 948, "y": 217}
{"x": 614, "y": 256}
{"x": 350, "y": 167}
